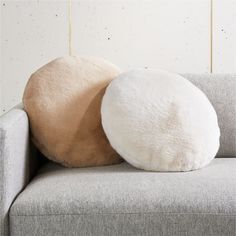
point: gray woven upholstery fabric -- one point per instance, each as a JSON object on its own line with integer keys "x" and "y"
{"x": 122, "y": 200}
{"x": 15, "y": 162}
{"x": 221, "y": 91}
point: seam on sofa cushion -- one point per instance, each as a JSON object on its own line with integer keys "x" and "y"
{"x": 129, "y": 213}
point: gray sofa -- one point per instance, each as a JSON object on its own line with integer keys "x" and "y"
{"x": 39, "y": 197}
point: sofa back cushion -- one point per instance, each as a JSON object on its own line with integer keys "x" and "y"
{"x": 221, "y": 91}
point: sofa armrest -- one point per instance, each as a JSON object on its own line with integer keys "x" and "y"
{"x": 18, "y": 160}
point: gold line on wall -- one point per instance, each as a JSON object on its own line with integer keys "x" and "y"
{"x": 211, "y": 37}
{"x": 70, "y": 27}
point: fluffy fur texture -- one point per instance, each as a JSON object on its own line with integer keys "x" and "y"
{"x": 160, "y": 121}
{"x": 63, "y": 101}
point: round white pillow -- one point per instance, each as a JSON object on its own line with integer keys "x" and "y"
{"x": 159, "y": 121}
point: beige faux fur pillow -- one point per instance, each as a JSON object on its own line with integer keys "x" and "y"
{"x": 63, "y": 100}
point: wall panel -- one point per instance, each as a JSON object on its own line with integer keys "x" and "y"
{"x": 167, "y": 34}
{"x": 224, "y": 36}
{"x": 172, "y": 35}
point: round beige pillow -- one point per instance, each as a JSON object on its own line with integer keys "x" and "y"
{"x": 63, "y": 100}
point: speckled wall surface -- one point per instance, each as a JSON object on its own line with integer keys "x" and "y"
{"x": 167, "y": 34}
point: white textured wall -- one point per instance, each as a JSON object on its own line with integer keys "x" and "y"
{"x": 168, "y": 34}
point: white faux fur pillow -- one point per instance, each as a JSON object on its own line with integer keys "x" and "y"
{"x": 159, "y": 121}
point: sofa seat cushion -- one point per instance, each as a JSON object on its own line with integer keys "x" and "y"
{"x": 122, "y": 200}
